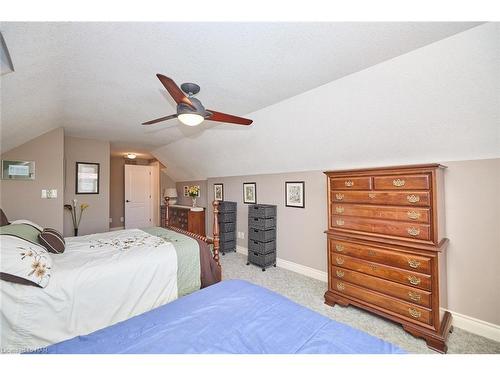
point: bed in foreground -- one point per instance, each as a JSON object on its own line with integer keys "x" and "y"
{"x": 256, "y": 321}
{"x": 98, "y": 280}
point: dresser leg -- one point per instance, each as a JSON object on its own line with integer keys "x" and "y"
{"x": 434, "y": 340}
{"x": 332, "y": 299}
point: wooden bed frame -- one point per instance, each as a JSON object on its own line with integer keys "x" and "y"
{"x": 211, "y": 241}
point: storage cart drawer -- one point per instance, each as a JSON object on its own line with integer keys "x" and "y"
{"x": 261, "y": 210}
{"x": 262, "y": 235}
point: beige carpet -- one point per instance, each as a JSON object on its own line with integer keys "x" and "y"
{"x": 309, "y": 292}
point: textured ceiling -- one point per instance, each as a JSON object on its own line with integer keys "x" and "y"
{"x": 97, "y": 80}
{"x": 435, "y": 104}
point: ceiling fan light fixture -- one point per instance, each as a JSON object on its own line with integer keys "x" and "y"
{"x": 190, "y": 119}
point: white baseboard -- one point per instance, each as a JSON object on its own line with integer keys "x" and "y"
{"x": 467, "y": 323}
{"x": 476, "y": 326}
{"x": 295, "y": 267}
{"x": 116, "y": 228}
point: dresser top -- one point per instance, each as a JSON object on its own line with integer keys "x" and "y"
{"x": 399, "y": 167}
{"x": 179, "y": 206}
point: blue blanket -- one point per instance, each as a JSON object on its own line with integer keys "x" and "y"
{"x": 232, "y": 316}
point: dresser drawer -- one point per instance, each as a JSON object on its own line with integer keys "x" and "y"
{"x": 414, "y": 279}
{"x": 385, "y": 227}
{"x": 390, "y": 288}
{"x": 402, "y": 182}
{"x": 353, "y": 183}
{"x": 421, "y": 215}
{"x": 407, "y": 198}
{"x": 409, "y": 311}
{"x": 389, "y": 257}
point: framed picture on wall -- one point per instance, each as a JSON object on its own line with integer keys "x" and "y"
{"x": 186, "y": 188}
{"x": 250, "y": 192}
{"x": 295, "y": 194}
{"x": 87, "y": 178}
{"x": 219, "y": 192}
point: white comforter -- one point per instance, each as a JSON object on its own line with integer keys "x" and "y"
{"x": 99, "y": 280}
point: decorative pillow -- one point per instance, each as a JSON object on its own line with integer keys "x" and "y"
{"x": 3, "y": 219}
{"x": 24, "y": 262}
{"x": 52, "y": 240}
{"x": 24, "y": 231}
{"x": 28, "y": 222}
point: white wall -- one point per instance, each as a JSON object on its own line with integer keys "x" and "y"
{"x": 22, "y": 199}
{"x": 439, "y": 102}
{"x": 95, "y": 219}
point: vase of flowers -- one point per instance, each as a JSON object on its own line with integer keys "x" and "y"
{"x": 75, "y": 216}
{"x": 194, "y": 192}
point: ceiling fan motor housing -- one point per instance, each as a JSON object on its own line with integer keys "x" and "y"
{"x": 199, "y": 109}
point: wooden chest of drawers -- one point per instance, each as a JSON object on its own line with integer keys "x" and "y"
{"x": 386, "y": 244}
{"x": 183, "y": 218}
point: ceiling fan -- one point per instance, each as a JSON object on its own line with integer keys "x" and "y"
{"x": 190, "y": 111}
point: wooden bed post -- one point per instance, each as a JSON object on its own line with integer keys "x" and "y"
{"x": 216, "y": 231}
{"x": 167, "y": 221}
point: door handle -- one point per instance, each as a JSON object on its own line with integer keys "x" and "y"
{"x": 127, "y": 201}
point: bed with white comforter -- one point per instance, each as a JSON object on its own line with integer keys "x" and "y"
{"x": 98, "y": 281}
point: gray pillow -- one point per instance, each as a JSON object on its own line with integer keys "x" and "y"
{"x": 52, "y": 240}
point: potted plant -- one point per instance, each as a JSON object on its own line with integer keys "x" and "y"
{"x": 76, "y": 217}
{"x": 194, "y": 192}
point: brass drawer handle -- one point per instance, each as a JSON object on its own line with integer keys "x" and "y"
{"x": 340, "y": 222}
{"x": 398, "y": 182}
{"x": 372, "y": 253}
{"x": 413, "y": 263}
{"x": 372, "y": 195}
{"x": 340, "y": 286}
{"x": 339, "y": 273}
{"x": 414, "y": 296}
{"x": 339, "y": 260}
{"x": 413, "y": 198}
{"x": 413, "y": 231}
{"x": 413, "y": 280}
{"x": 349, "y": 183}
{"x": 414, "y": 313}
{"x": 339, "y": 209}
{"x": 339, "y": 248}
{"x": 414, "y": 215}
{"x": 339, "y": 196}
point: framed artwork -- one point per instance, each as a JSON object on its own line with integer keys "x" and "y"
{"x": 87, "y": 178}
{"x": 219, "y": 192}
{"x": 186, "y": 188}
{"x": 18, "y": 170}
{"x": 295, "y": 194}
{"x": 250, "y": 192}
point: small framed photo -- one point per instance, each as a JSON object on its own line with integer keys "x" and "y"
{"x": 250, "y": 192}
{"x": 18, "y": 170}
{"x": 87, "y": 178}
{"x": 186, "y": 189}
{"x": 219, "y": 192}
{"x": 295, "y": 194}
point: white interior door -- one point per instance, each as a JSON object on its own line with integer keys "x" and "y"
{"x": 138, "y": 196}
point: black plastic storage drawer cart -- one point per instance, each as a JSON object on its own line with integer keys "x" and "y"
{"x": 227, "y": 226}
{"x": 262, "y": 235}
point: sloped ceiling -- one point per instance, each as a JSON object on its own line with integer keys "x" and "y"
{"x": 97, "y": 80}
{"x": 437, "y": 103}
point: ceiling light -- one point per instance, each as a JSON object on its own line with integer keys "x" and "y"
{"x": 131, "y": 156}
{"x": 190, "y": 119}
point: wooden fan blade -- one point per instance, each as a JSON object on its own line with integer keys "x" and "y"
{"x": 159, "y": 119}
{"x": 174, "y": 90}
{"x": 224, "y": 117}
